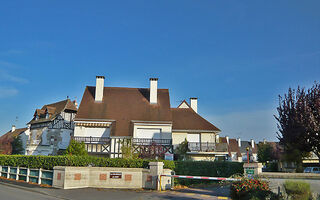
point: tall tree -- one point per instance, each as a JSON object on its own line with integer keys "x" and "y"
{"x": 16, "y": 144}
{"x": 299, "y": 120}
{"x": 264, "y": 152}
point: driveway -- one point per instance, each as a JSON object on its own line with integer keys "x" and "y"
{"x": 23, "y": 191}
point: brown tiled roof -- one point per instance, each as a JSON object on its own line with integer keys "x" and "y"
{"x": 187, "y": 119}
{"x": 53, "y": 109}
{"x": 232, "y": 146}
{"x": 6, "y": 139}
{"x": 124, "y": 105}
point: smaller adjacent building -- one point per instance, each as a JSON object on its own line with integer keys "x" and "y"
{"x": 7, "y": 139}
{"x": 238, "y": 150}
{"x": 51, "y": 128}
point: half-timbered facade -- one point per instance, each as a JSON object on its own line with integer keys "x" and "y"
{"x": 51, "y": 128}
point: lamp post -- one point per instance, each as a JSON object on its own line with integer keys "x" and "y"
{"x": 248, "y": 154}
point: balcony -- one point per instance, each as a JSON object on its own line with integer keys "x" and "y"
{"x": 207, "y": 147}
{"x": 92, "y": 140}
{"x": 147, "y": 141}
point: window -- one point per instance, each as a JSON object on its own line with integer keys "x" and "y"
{"x": 191, "y": 137}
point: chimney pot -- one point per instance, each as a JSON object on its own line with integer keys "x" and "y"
{"x": 252, "y": 143}
{"x": 239, "y": 142}
{"x": 13, "y": 128}
{"x": 99, "y": 88}
{"x": 153, "y": 90}
{"x": 227, "y": 138}
{"x": 194, "y": 104}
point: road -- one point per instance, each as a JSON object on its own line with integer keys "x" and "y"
{"x": 22, "y": 191}
{"x": 275, "y": 182}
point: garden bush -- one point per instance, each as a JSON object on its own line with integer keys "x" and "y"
{"x": 48, "y": 162}
{"x": 297, "y": 190}
{"x": 250, "y": 189}
{"x": 206, "y": 168}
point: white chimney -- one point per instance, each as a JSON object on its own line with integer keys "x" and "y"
{"x": 252, "y": 143}
{"x": 13, "y": 128}
{"x": 227, "y": 138}
{"x": 194, "y": 104}
{"x": 153, "y": 90}
{"x": 217, "y": 139}
{"x": 264, "y": 141}
{"x": 239, "y": 142}
{"x": 99, "y": 88}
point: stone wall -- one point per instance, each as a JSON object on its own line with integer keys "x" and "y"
{"x": 111, "y": 177}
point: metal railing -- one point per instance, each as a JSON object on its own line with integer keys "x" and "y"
{"x": 146, "y": 141}
{"x": 96, "y": 140}
{"x": 207, "y": 147}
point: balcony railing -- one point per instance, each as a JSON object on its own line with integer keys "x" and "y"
{"x": 146, "y": 141}
{"x": 207, "y": 147}
{"x": 96, "y": 140}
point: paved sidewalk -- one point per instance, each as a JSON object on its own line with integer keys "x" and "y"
{"x": 25, "y": 191}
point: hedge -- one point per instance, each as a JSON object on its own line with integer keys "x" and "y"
{"x": 206, "y": 168}
{"x": 48, "y": 162}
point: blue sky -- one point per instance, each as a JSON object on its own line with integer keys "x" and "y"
{"x": 235, "y": 56}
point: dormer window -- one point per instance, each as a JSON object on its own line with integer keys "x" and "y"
{"x": 37, "y": 117}
{"x": 47, "y": 115}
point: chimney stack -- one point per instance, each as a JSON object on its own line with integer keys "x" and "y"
{"x": 13, "y": 128}
{"x": 153, "y": 90}
{"x": 239, "y": 142}
{"x": 217, "y": 139}
{"x": 264, "y": 141}
{"x": 194, "y": 104}
{"x": 227, "y": 138}
{"x": 252, "y": 143}
{"x": 99, "y": 88}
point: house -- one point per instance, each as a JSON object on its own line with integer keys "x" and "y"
{"x": 237, "y": 149}
{"x": 7, "y": 138}
{"x": 51, "y": 128}
{"x": 251, "y": 147}
{"x": 202, "y": 136}
{"x": 234, "y": 153}
{"x": 107, "y": 116}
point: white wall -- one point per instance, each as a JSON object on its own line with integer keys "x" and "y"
{"x": 152, "y": 130}
{"x": 82, "y": 131}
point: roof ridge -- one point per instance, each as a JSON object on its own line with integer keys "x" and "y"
{"x": 129, "y": 87}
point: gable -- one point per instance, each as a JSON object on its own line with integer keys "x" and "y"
{"x": 184, "y": 104}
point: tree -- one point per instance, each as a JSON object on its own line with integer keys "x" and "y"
{"x": 76, "y": 148}
{"x": 299, "y": 120}
{"x": 182, "y": 150}
{"x": 17, "y": 147}
{"x": 265, "y": 153}
{"x": 127, "y": 150}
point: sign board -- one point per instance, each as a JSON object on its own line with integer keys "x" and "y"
{"x": 168, "y": 156}
{"x": 250, "y": 171}
{"x": 116, "y": 175}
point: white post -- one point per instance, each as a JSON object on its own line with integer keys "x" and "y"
{"x": 40, "y": 174}
{"x": 28, "y": 174}
{"x": 17, "y": 176}
{"x": 8, "y": 174}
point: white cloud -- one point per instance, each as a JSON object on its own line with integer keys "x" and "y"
{"x": 8, "y": 92}
{"x": 5, "y": 76}
{"x": 255, "y": 125}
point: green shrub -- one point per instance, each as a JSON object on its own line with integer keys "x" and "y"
{"x": 206, "y": 168}
{"x": 48, "y": 162}
{"x": 297, "y": 189}
{"x": 250, "y": 189}
{"x": 76, "y": 148}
